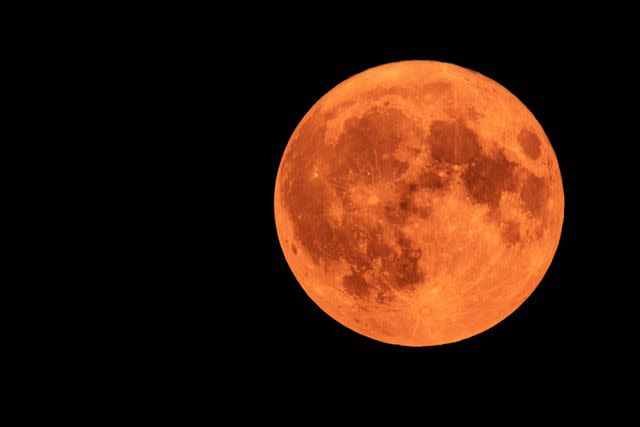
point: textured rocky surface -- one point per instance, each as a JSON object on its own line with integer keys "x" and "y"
{"x": 419, "y": 203}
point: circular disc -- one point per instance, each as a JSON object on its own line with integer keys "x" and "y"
{"x": 419, "y": 203}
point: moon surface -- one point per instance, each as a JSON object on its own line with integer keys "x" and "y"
{"x": 419, "y": 203}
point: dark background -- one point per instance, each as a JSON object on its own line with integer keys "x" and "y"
{"x": 190, "y": 112}
{"x": 568, "y": 324}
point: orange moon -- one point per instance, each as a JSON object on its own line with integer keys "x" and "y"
{"x": 419, "y": 203}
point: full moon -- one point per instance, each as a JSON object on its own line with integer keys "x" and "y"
{"x": 419, "y": 203}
